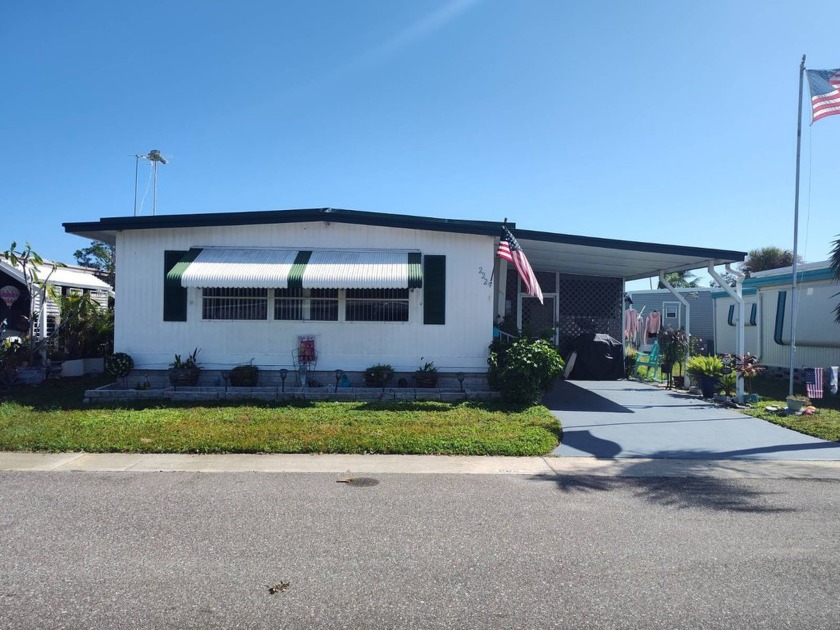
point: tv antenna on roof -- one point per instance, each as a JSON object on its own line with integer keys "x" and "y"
{"x": 154, "y": 156}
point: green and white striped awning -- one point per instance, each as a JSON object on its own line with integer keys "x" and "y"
{"x": 268, "y": 268}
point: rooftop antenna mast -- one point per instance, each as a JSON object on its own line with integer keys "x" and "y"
{"x": 154, "y": 156}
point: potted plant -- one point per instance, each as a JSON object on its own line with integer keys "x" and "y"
{"x": 748, "y": 367}
{"x": 184, "y": 372}
{"x": 244, "y": 375}
{"x": 707, "y": 370}
{"x": 630, "y": 355}
{"x": 673, "y": 345}
{"x": 119, "y": 365}
{"x": 426, "y": 375}
{"x": 795, "y": 403}
{"x": 378, "y": 375}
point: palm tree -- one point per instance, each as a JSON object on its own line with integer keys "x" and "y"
{"x": 835, "y": 267}
{"x": 767, "y": 258}
{"x": 680, "y": 280}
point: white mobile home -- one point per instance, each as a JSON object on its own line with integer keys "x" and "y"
{"x": 768, "y": 312}
{"x": 359, "y": 288}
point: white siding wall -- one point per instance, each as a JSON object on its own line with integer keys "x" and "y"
{"x": 817, "y": 336}
{"x": 460, "y": 344}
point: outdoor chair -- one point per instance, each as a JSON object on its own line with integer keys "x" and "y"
{"x": 649, "y": 365}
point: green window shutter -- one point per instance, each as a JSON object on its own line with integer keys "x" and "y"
{"x": 174, "y": 295}
{"x": 434, "y": 291}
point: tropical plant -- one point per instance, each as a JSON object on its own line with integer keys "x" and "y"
{"x": 426, "y": 375}
{"x": 728, "y": 382}
{"x": 36, "y": 274}
{"x": 680, "y": 279}
{"x": 705, "y": 366}
{"x": 630, "y": 355}
{"x": 429, "y": 366}
{"x": 835, "y": 267}
{"x": 673, "y": 344}
{"x": 765, "y": 258}
{"x": 86, "y": 329}
{"x": 525, "y": 370}
{"x": 190, "y": 363}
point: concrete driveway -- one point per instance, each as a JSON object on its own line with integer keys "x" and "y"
{"x": 630, "y": 419}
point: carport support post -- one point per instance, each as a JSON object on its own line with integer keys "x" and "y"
{"x": 737, "y": 295}
{"x": 500, "y": 278}
{"x": 685, "y": 303}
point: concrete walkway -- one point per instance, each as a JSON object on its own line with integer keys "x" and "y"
{"x": 630, "y": 419}
{"x": 354, "y": 466}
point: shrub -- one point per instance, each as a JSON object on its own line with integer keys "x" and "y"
{"x": 523, "y": 370}
{"x": 119, "y": 365}
{"x": 378, "y": 375}
{"x": 705, "y": 366}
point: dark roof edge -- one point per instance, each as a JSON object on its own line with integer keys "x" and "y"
{"x": 358, "y": 217}
{"x": 263, "y": 217}
{"x": 608, "y": 243}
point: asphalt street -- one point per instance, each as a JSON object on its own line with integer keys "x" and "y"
{"x": 200, "y": 550}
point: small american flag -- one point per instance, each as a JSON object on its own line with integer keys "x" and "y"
{"x": 814, "y": 382}
{"x": 825, "y": 92}
{"x": 510, "y": 250}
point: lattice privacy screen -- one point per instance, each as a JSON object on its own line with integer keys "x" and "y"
{"x": 584, "y": 305}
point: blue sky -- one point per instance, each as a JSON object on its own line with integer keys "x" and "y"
{"x": 662, "y": 121}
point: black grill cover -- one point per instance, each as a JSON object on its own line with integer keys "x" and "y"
{"x": 599, "y": 358}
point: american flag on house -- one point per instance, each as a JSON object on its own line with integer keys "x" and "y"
{"x": 825, "y": 93}
{"x": 510, "y": 251}
{"x": 814, "y": 382}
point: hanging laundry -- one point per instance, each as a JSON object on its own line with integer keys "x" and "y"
{"x": 652, "y": 324}
{"x": 631, "y": 323}
{"x": 832, "y": 379}
{"x": 814, "y": 382}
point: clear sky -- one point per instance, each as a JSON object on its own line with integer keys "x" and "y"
{"x": 662, "y": 121}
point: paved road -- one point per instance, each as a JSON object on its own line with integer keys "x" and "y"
{"x": 198, "y": 550}
{"x": 631, "y": 419}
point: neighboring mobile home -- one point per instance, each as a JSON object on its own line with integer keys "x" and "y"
{"x": 64, "y": 280}
{"x": 700, "y": 317}
{"x": 768, "y": 312}
{"x": 357, "y": 288}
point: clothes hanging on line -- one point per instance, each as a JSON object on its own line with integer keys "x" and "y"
{"x": 832, "y": 379}
{"x": 652, "y": 324}
{"x": 631, "y": 324}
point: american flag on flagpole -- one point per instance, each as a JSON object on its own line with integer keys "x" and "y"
{"x": 510, "y": 251}
{"x": 814, "y": 382}
{"x": 825, "y": 92}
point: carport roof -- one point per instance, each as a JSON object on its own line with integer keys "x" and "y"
{"x": 547, "y": 251}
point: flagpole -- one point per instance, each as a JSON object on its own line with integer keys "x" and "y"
{"x": 793, "y": 305}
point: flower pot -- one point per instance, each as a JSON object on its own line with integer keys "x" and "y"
{"x": 73, "y": 367}
{"x": 244, "y": 376}
{"x": 182, "y": 377}
{"x": 794, "y": 405}
{"x": 31, "y": 375}
{"x": 707, "y": 385}
{"x": 426, "y": 379}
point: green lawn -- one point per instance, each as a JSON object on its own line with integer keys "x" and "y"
{"x": 825, "y": 423}
{"x": 52, "y": 418}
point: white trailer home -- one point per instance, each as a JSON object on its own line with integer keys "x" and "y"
{"x": 767, "y": 317}
{"x": 359, "y": 288}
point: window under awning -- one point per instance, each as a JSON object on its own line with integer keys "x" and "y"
{"x": 269, "y": 268}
